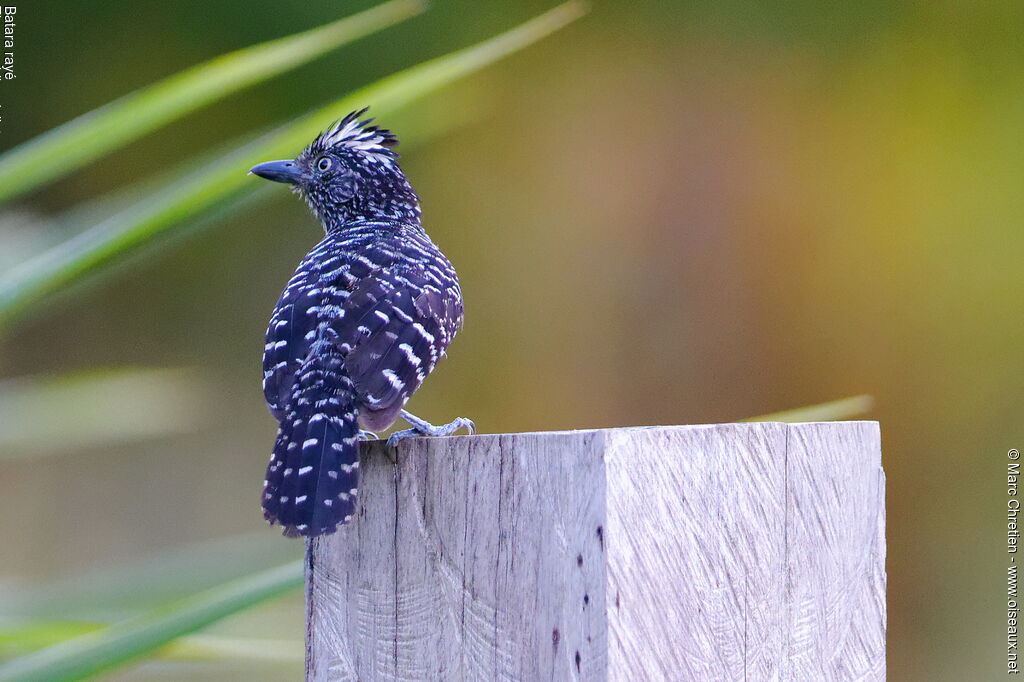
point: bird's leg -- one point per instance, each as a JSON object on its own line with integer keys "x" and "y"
{"x": 367, "y": 435}
{"x": 421, "y": 427}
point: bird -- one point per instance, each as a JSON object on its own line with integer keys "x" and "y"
{"x": 367, "y": 315}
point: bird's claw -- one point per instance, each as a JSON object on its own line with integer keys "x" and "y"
{"x": 423, "y": 428}
{"x": 467, "y": 424}
{"x": 397, "y": 436}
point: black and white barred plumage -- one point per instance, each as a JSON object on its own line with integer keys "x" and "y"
{"x": 367, "y": 315}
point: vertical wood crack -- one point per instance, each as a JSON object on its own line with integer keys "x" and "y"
{"x": 787, "y": 643}
{"x": 394, "y": 542}
{"x": 497, "y": 557}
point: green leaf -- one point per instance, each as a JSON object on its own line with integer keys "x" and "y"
{"x": 98, "y": 651}
{"x": 23, "y": 639}
{"x": 117, "y": 590}
{"x": 83, "y": 139}
{"x": 99, "y": 408}
{"x": 219, "y": 648}
{"x": 18, "y": 640}
{"x": 837, "y": 409}
{"x": 225, "y": 179}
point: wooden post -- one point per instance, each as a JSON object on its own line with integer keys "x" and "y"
{"x": 725, "y": 552}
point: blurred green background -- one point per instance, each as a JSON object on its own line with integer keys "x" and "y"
{"x": 666, "y": 213}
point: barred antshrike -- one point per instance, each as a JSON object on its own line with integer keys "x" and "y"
{"x": 367, "y": 315}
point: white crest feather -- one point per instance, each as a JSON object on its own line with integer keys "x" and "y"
{"x": 357, "y": 135}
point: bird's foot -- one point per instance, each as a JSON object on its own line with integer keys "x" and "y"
{"x": 421, "y": 427}
{"x": 367, "y": 435}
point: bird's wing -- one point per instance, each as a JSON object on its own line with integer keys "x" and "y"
{"x": 397, "y": 324}
{"x": 289, "y": 337}
{"x": 390, "y": 308}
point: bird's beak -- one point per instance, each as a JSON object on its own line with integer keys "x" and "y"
{"x": 278, "y": 171}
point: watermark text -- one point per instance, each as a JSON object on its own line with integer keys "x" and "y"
{"x": 1013, "y": 519}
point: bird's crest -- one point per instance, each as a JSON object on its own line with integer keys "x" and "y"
{"x": 357, "y": 135}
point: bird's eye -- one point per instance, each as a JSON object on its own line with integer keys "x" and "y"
{"x": 324, "y": 163}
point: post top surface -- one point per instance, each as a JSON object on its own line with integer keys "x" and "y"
{"x": 753, "y": 425}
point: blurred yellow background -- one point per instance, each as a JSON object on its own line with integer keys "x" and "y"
{"x": 666, "y": 213}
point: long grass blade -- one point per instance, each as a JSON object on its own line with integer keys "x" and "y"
{"x": 100, "y": 408}
{"x": 83, "y": 139}
{"x": 225, "y": 179}
{"x": 117, "y": 590}
{"x": 23, "y": 639}
{"x": 98, "y": 651}
{"x": 837, "y": 409}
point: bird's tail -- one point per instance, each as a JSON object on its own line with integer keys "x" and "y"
{"x": 311, "y": 480}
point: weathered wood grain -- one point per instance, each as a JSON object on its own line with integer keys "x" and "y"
{"x": 726, "y": 552}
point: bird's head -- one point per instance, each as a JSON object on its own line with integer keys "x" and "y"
{"x": 349, "y": 173}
